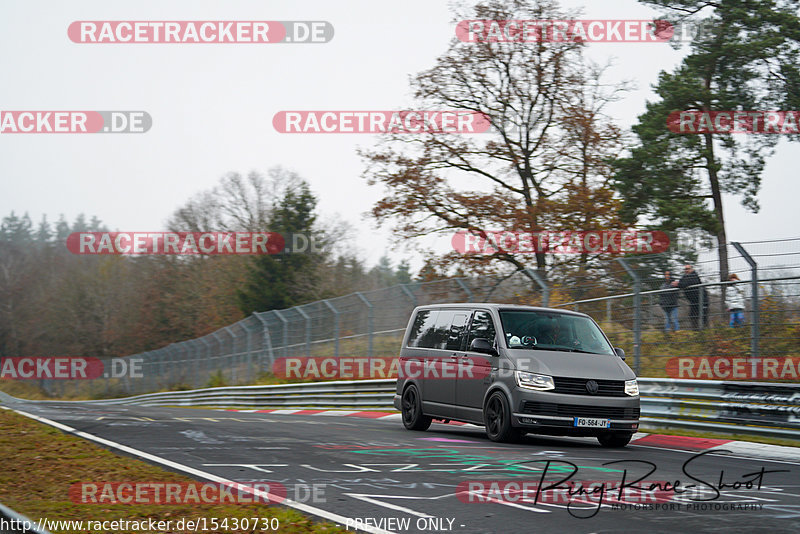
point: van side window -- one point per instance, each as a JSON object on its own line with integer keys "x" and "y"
{"x": 442, "y": 329}
{"x": 481, "y": 326}
{"x": 456, "y": 334}
{"x": 423, "y": 331}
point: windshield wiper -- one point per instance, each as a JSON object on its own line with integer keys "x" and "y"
{"x": 567, "y": 349}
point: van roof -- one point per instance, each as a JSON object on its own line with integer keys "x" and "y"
{"x": 498, "y": 306}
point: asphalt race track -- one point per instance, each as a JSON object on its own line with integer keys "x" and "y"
{"x": 394, "y": 480}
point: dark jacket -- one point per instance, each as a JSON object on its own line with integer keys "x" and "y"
{"x": 692, "y": 294}
{"x": 668, "y": 299}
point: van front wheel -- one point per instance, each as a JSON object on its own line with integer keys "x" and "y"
{"x": 497, "y": 418}
{"x": 411, "y": 405}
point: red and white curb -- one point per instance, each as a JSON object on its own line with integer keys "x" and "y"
{"x": 744, "y": 449}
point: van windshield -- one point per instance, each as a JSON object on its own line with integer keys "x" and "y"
{"x": 552, "y": 331}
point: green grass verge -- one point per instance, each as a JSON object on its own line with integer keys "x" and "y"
{"x": 41, "y": 463}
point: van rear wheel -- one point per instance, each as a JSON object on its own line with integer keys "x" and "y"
{"x": 411, "y": 407}
{"x": 615, "y": 440}
{"x": 497, "y": 418}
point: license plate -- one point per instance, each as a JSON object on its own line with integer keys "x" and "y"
{"x": 591, "y": 422}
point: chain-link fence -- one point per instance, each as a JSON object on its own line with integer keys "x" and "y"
{"x": 624, "y": 296}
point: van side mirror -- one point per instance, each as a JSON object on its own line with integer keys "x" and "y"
{"x": 620, "y": 352}
{"x": 482, "y": 345}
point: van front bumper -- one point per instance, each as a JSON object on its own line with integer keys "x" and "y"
{"x": 555, "y": 413}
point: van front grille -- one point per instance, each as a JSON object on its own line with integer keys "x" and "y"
{"x": 577, "y": 386}
{"x": 571, "y": 410}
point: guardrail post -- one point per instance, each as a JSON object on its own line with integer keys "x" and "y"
{"x": 335, "y": 326}
{"x": 542, "y": 285}
{"x": 637, "y": 315}
{"x": 754, "y": 311}
{"x": 285, "y": 323}
{"x": 308, "y": 329}
{"x": 370, "y": 320}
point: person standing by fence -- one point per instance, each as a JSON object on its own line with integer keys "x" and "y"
{"x": 689, "y": 283}
{"x": 668, "y": 300}
{"x": 735, "y": 301}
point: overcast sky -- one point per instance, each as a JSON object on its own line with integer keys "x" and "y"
{"x": 212, "y": 107}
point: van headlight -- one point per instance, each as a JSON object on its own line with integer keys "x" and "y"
{"x": 534, "y": 381}
{"x": 632, "y": 387}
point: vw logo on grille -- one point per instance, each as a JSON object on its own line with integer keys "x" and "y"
{"x": 592, "y": 387}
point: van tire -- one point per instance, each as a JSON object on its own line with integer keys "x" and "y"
{"x": 615, "y": 440}
{"x": 411, "y": 408}
{"x": 497, "y": 419}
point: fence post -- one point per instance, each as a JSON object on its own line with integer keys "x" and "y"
{"x": 465, "y": 288}
{"x": 410, "y": 295}
{"x": 233, "y": 354}
{"x": 370, "y": 318}
{"x": 249, "y": 349}
{"x": 207, "y": 365}
{"x": 608, "y": 311}
{"x": 285, "y": 323}
{"x": 335, "y": 326}
{"x": 219, "y": 346}
{"x": 637, "y": 315}
{"x": 542, "y": 285}
{"x": 308, "y": 329}
{"x": 754, "y": 312}
{"x": 170, "y": 376}
{"x": 267, "y": 341}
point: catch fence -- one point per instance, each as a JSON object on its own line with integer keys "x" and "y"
{"x": 624, "y": 296}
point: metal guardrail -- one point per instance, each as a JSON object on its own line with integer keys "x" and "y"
{"x": 338, "y": 394}
{"x": 751, "y": 408}
{"x": 747, "y": 408}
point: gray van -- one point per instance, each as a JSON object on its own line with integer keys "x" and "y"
{"x": 515, "y": 369}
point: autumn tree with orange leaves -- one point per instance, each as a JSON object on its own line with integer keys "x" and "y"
{"x": 543, "y": 166}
